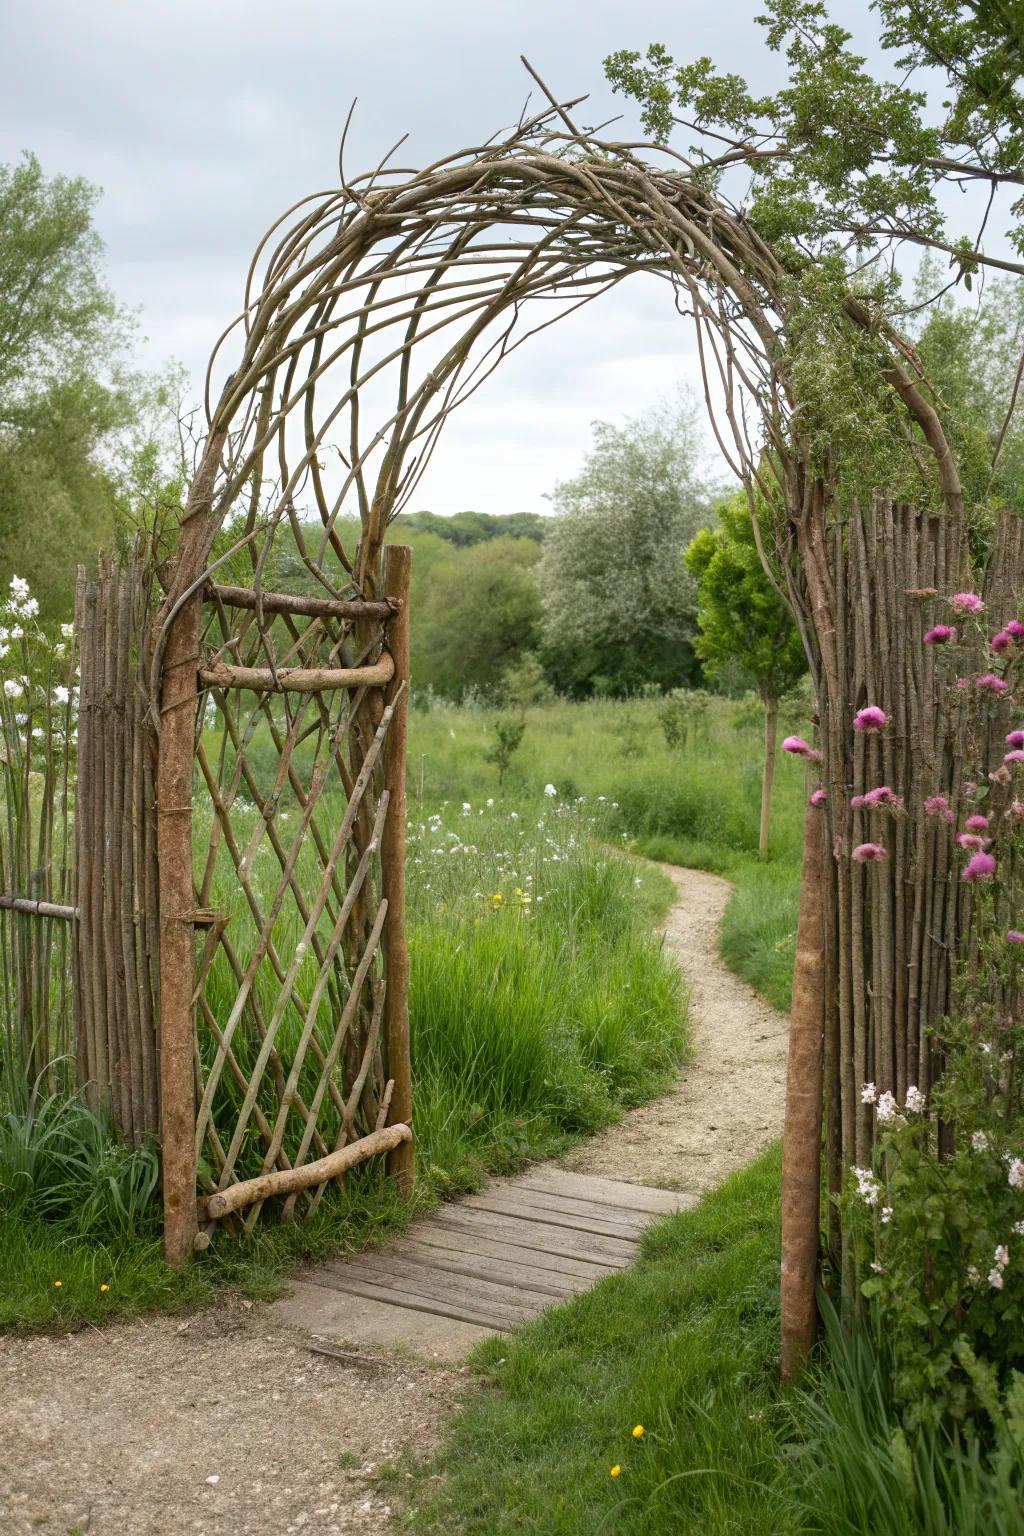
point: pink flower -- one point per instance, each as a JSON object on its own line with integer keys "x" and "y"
{"x": 1002, "y": 641}
{"x": 970, "y": 840}
{"x": 940, "y": 634}
{"x": 1001, "y": 775}
{"x": 870, "y": 719}
{"x": 869, "y": 853}
{"x": 936, "y": 805}
{"x": 1015, "y": 739}
{"x": 799, "y": 748}
{"x": 819, "y": 797}
{"x": 966, "y": 602}
{"x": 1016, "y": 629}
{"x": 1015, "y": 1177}
{"x": 1015, "y": 936}
{"x": 980, "y": 866}
{"x": 989, "y": 683}
{"x": 1016, "y": 756}
{"x": 1015, "y": 811}
{"x": 976, "y": 823}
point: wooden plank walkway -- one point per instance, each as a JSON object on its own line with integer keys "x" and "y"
{"x": 491, "y": 1260}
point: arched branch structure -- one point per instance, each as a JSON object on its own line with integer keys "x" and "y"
{"x": 372, "y": 312}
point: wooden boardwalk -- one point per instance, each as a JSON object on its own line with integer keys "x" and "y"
{"x": 490, "y": 1260}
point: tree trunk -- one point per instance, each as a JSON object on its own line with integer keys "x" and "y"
{"x": 801, "y": 1145}
{"x": 771, "y": 726}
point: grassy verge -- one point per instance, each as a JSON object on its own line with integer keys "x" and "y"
{"x": 685, "y": 1344}
{"x": 541, "y": 1006}
{"x": 695, "y": 805}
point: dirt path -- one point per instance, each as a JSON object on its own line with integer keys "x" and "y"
{"x": 727, "y": 1105}
{"x": 225, "y": 1424}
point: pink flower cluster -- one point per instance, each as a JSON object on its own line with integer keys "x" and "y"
{"x": 980, "y": 866}
{"x": 883, "y": 795}
{"x": 870, "y": 719}
{"x": 869, "y": 853}
{"x": 799, "y": 748}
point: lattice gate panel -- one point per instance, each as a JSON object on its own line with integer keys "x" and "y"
{"x": 300, "y": 772}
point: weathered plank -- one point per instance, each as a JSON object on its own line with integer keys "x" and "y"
{"x": 614, "y": 1192}
{"x": 632, "y": 1222}
{"x": 526, "y": 1277}
{"x": 413, "y": 1302}
{"x": 563, "y": 1266}
{"x": 612, "y": 1252}
{"x": 412, "y": 1277}
{"x": 507, "y": 1203}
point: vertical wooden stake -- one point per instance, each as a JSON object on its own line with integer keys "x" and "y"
{"x": 801, "y": 1137}
{"x": 397, "y": 573}
{"x": 177, "y": 942}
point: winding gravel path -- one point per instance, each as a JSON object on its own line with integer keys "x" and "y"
{"x": 224, "y": 1424}
{"x": 727, "y": 1106}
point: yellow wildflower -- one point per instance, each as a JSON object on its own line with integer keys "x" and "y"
{"x": 638, "y": 1431}
{"x": 57, "y": 1284}
{"x": 107, "y": 1288}
{"x": 616, "y": 1470}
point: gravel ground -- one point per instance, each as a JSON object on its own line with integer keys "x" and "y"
{"x": 226, "y": 1424}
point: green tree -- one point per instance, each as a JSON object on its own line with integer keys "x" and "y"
{"x": 742, "y": 618}
{"x": 475, "y": 614}
{"x": 841, "y": 151}
{"x": 619, "y": 605}
{"x": 78, "y": 430}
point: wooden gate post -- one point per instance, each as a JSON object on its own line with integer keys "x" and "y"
{"x": 178, "y": 698}
{"x": 801, "y": 1137}
{"x": 401, "y": 1161}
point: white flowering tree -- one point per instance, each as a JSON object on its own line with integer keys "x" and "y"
{"x": 37, "y": 766}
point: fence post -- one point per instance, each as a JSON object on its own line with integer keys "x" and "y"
{"x": 178, "y": 698}
{"x": 401, "y": 1162}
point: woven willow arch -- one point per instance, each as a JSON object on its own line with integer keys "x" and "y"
{"x": 373, "y": 311}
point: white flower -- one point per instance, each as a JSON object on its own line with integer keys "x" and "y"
{"x": 17, "y": 632}
{"x": 995, "y": 1279}
{"x": 490, "y": 802}
{"x": 1018, "y": 1227}
{"x": 1015, "y": 1176}
{"x": 19, "y": 587}
{"x": 886, "y": 1215}
{"x": 868, "y": 1094}
{"x": 67, "y": 630}
{"x": 12, "y": 687}
{"x": 30, "y": 608}
{"x": 549, "y": 790}
{"x": 466, "y": 807}
{"x": 879, "y": 1269}
{"x": 973, "y": 1274}
{"x": 868, "y": 1187}
{"x": 513, "y": 815}
{"x": 888, "y": 1110}
{"x": 1001, "y": 1257}
{"x": 979, "y": 1141}
{"x": 916, "y": 1101}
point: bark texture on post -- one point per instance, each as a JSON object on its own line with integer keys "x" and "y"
{"x": 397, "y": 577}
{"x": 115, "y": 853}
{"x": 771, "y": 731}
{"x": 177, "y": 942}
{"x": 801, "y": 1144}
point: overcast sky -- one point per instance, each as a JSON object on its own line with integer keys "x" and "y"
{"x": 202, "y": 120}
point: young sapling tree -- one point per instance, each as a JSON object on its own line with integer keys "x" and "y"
{"x": 740, "y": 617}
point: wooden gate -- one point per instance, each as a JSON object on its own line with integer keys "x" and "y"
{"x": 296, "y": 960}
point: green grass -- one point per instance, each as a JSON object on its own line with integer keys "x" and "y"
{"x": 695, "y": 806}
{"x": 537, "y": 1017}
{"x": 684, "y": 1344}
